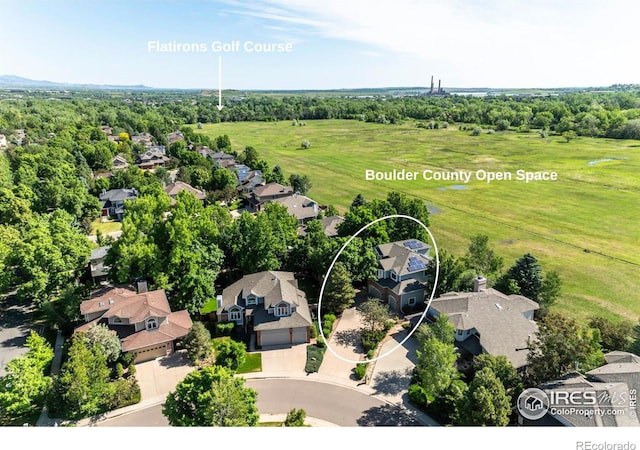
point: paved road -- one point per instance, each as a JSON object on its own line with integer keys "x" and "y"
{"x": 339, "y": 405}
{"x": 14, "y": 329}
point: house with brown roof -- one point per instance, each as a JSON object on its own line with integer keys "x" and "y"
{"x": 270, "y": 305}
{"x": 153, "y": 157}
{"x": 143, "y": 321}
{"x": 222, "y": 159}
{"x": 119, "y": 162}
{"x": 402, "y": 274}
{"x": 175, "y": 136}
{"x": 267, "y": 193}
{"x": 176, "y": 187}
{"x": 144, "y": 139}
{"x": 488, "y": 321}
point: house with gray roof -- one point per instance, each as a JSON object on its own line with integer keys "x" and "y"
{"x": 113, "y": 201}
{"x": 153, "y": 157}
{"x": 329, "y": 226}
{"x": 270, "y": 305}
{"x": 301, "y": 207}
{"x": 402, "y": 274}
{"x": 222, "y": 159}
{"x": 176, "y": 187}
{"x": 603, "y": 397}
{"x": 488, "y": 321}
{"x": 98, "y": 269}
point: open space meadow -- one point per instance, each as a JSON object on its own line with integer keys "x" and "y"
{"x": 586, "y": 225}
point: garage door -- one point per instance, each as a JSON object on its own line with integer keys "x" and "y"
{"x": 150, "y": 353}
{"x": 275, "y": 337}
{"x": 300, "y": 335}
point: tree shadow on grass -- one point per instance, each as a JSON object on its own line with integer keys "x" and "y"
{"x": 392, "y": 382}
{"x": 388, "y": 416}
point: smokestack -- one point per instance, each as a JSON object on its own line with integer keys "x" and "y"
{"x": 431, "y": 91}
{"x": 439, "y": 88}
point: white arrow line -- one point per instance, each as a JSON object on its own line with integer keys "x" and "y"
{"x": 220, "y": 83}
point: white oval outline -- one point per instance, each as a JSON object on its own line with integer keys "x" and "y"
{"x": 424, "y": 313}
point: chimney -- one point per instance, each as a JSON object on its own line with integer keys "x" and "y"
{"x": 142, "y": 287}
{"x": 479, "y": 284}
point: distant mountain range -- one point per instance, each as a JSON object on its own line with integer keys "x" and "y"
{"x": 15, "y": 82}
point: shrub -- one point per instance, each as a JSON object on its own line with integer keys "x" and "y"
{"x": 360, "y": 370}
{"x": 490, "y": 131}
{"x": 320, "y": 343}
{"x": 444, "y": 125}
{"x": 313, "y": 332}
{"x": 230, "y": 354}
{"x": 417, "y": 395}
{"x": 476, "y": 131}
{"x": 127, "y": 358}
{"x": 370, "y": 339}
{"x": 388, "y": 325}
{"x": 119, "y": 370}
{"x": 225, "y": 328}
{"x": 314, "y": 358}
{"x": 371, "y": 353}
{"x": 295, "y": 418}
{"x": 131, "y": 370}
{"x": 305, "y": 144}
{"x": 125, "y": 393}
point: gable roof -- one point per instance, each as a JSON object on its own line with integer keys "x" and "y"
{"x": 299, "y": 206}
{"x": 274, "y": 287}
{"x": 499, "y": 320}
{"x": 126, "y": 303}
{"x": 404, "y": 257}
{"x": 175, "y": 326}
{"x": 271, "y": 189}
{"x": 178, "y": 186}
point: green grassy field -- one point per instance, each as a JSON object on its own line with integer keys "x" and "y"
{"x": 585, "y": 225}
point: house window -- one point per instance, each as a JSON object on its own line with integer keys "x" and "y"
{"x": 101, "y": 304}
{"x": 252, "y": 301}
{"x": 235, "y": 314}
{"x": 152, "y": 323}
{"x": 380, "y": 274}
{"x": 394, "y": 277}
{"x": 460, "y": 332}
{"x": 282, "y": 310}
{"x": 412, "y": 301}
{"x": 117, "y": 320}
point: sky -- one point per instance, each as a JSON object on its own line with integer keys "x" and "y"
{"x": 334, "y": 43}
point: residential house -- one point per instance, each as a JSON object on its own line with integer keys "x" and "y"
{"x": 329, "y": 226}
{"x": 251, "y": 181}
{"x": 20, "y": 136}
{"x": 142, "y": 320}
{"x": 144, "y": 139}
{"x": 402, "y": 274}
{"x": 603, "y": 397}
{"x": 176, "y": 187}
{"x": 203, "y": 150}
{"x": 98, "y": 269}
{"x": 222, "y": 159}
{"x": 113, "y": 201}
{"x": 119, "y": 162}
{"x": 301, "y": 207}
{"x": 270, "y": 305}
{"x": 107, "y": 130}
{"x": 153, "y": 157}
{"x": 488, "y": 321}
{"x": 175, "y": 136}
{"x": 241, "y": 171}
{"x": 267, "y": 193}
{"x": 3, "y": 141}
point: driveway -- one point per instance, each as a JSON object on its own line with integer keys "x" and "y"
{"x": 160, "y": 376}
{"x": 391, "y": 375}
{"x": 14, "y": 330}
{"x": 283, "y": 361}
{"x": 345, "y": 341}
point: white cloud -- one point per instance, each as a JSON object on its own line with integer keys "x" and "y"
{"x": 489, "y": 42}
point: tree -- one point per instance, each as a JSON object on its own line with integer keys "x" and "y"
{"x": 295, "y": 418}
{"x": 374, "y": 314}
{"x": 84, "y": 381}
{"x": 25, "y": 385}
{"x": 197, "y": 342}
{"x": 212, "y": 396}
{"x": 504, "y": 371}
{"x": 300, "y": 183}
{"x": 634, "y": 347}
{"x": 486, "y": 402}
{"x": 450, "y": 273}
{"x": 527, "y": 274}
{"x": 614, "y": 336}
{"x": 101, "y": 338}
{"x": 339, "y": 293}
{"x": 562, "y": 345}
{"x": 223, "y": 142}
{"x": 481, "y": 258}
{"x": 435, "y": 369}
{"x": 441, "y": 329}
{"x": 358, "y": 201}
{"x": 569, "y": 135}
{"x": 550, "y": 290}
{"x": 230, "y": 354}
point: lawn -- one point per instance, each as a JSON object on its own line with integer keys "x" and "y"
{"x": 105, "y": 227}
{"x": 253, "y": 363}
{"x": 584, "y": 225}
